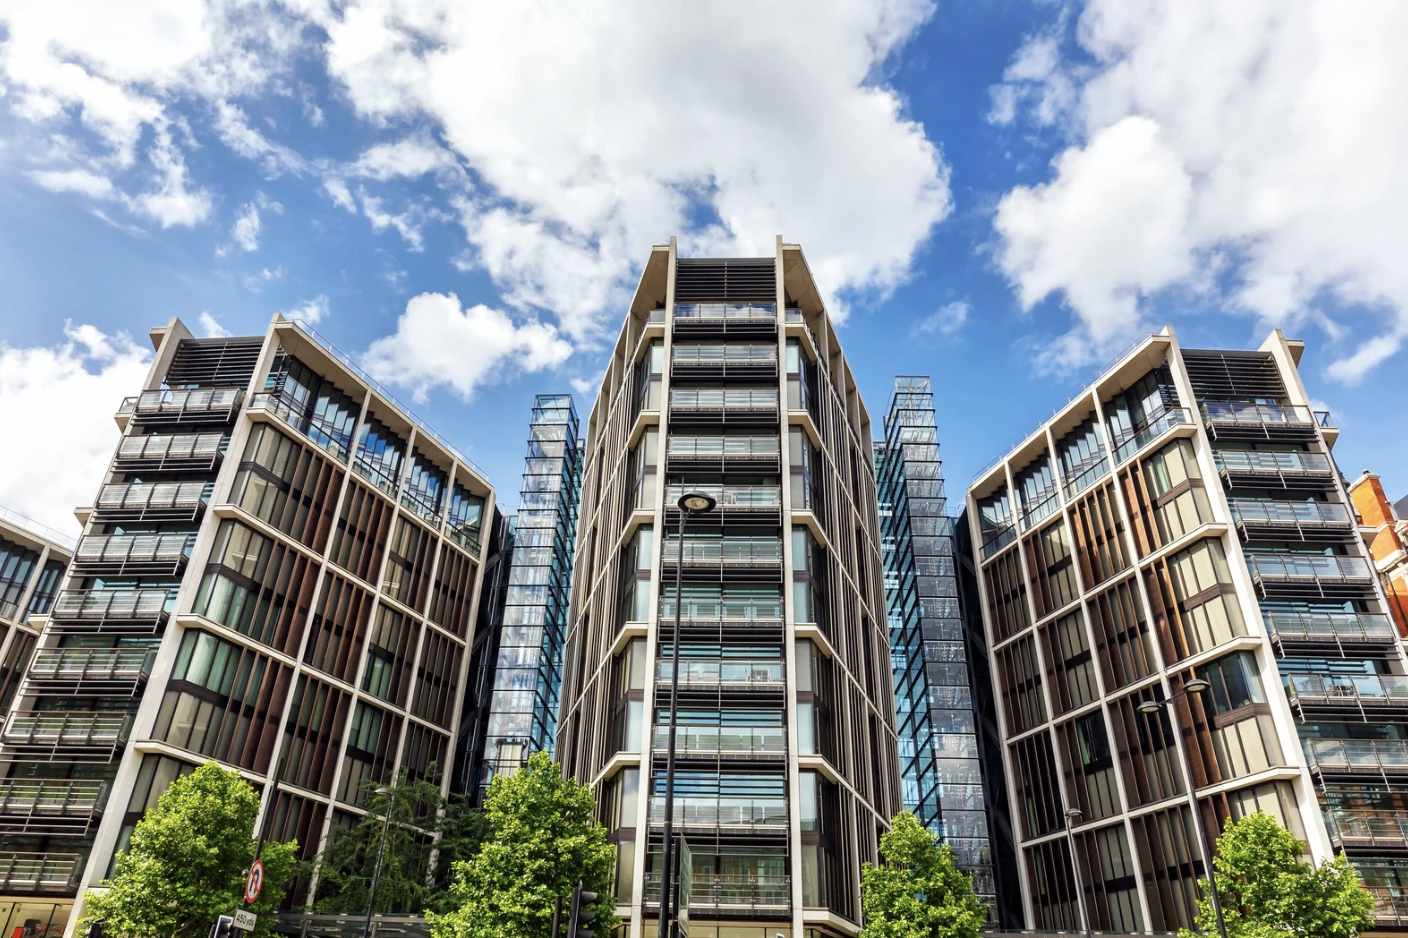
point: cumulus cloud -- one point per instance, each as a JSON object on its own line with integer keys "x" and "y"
{"x": 437, "y": 342}
{"x": 946, "y": 320}
{"x": 311, "y": 311}
{"x": 1260, "y": 142}
{"x": 245, "y": 231}
{"x": 211, "y": 327}
{"x": 65, "y": 395}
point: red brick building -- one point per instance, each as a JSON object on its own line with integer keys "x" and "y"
{"x": 1387, "y": 544}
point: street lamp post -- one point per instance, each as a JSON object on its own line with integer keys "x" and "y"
{"x": 380, "y": 853}
{"x": 1073, "y": 816}
{"x": 1195, "y": 686}
{"x": 690, "y": 503}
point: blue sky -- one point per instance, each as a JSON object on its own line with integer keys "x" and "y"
{"x": 1000, "y": 195}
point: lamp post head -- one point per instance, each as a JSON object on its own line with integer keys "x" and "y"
{"x": 697, "y": 503}
{"x": 1196, "y": 686}
{"x": 1150, "y": 706}
{"x": 1074, "y": 814}
{"x": 382, "y": 791}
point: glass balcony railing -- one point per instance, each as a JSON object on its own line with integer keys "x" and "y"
{"x": 134, "y": 548}
{"x": 1330, "y": 626}
{"x": 712, "y": 672}
{"x": 111, "y": 604}
{"x": 1350, "y": 755}
{"x": 1086, "y": 476}
{"x": 725, "y": 353}
{"x": 793, "y": 315}
{"x": 184, "y": 402}
{"x": 1129, "y": 442}
{"x": 722, "y": 812}
{"x": 723, "y": 446}
{"x": 92, "y": 664}
{"x": 37, "y": 872}
{"x": 724, "y": 399}
{"x": 292, "y": 412}
{"x": 655, "y": 315}
{"x": 159, "y": 496}
{"x": 1390, "y": 905}
{"x": 715, "y": 610}
{"x": 730, "y": 496}
{"x": 725, "y": 311}
{"x": 725, "y": 550}
{"x": 724, "y": 739}
{"x": 1368, "y": 828}
{"x": 1261, "y": 461}
{"x": 1376, "y": 689}
{"x": 9, "y": 610}
{"x": 51, "y": 798}
{"x": 1045, "y": 507}
{"x": 1309, "y": 568}
{"x": 162, "y": 446}
{"x": 465, "y": 535}
{"x": 60, "y": 728}
{"x": 998, "y": 538}
{"x": 1220, "y": 414}
{"x": 731, "y": 891}
{"x": 1323, "y": 420}
{"x": 1251, "y": 511}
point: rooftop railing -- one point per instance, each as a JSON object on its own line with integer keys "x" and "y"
{"x": 722, "y": 812}
{"x": 1349, "y": 688}
{"x": 1330, "y": 626}
{"x": 717, "y": 398}
{"x": 729, "y": 739}
{"x": 1370, "y": 755}
{"x": 1130, "y": 442}
{"x": 737, "y": 611}
{"x": 730, "y": 496}
{"x": 1308, "y": 567}
{"x": 725, "y": 353}
{"x": 37, "y": 872}
{"x": 38, "y": 530}
{"x": 725, "y": 311}
{"x": 723, "y": 446}
{"x": 724, "y": 550}
{"x": 711, "y": 672}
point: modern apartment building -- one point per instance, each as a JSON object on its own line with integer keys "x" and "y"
{"x": 728, "y": 379}
{"x": 517, "y": 661}
{"x": 1388, "y": 544}
{"x": 1182, "y": 518}
{"x": 32, "y": 883}
{"x": 936, "y": 717}
{"x": 279, "y": 572}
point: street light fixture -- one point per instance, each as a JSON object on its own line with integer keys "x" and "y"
{"x": 1196, "y": 686}
{"x": 380, "y": 853}
{"x": 690, "y": 503}
{"x": 1073, "y": 816}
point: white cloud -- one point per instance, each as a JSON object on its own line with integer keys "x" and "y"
{"x": 74, "y": 180}
{"x": 311, "y": 311}
{"x": 245, "y": 231}
{"x": 946, "y": 320}
{"x": 66, "y": 396}
{"x": 342, "y": 196}
{"x": 210, "y": 326}
{"x": 255, "y": 282}
{"x": 173, "y": 202}
{"x": 407, "y": 158}
{"x": 1255, "y": 144}
{"x": 438, "y": 343}
{"x": 405, "y": 223}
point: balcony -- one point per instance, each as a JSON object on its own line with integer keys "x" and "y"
{"x": 57, "y": 736}
{"x": 29, "y": 873}
{"x": 1256, "y": 422}
{"x": 760, "y": 894}
{"x": 465, "y": 535}
{"x": 132, "y": 554}
{"x": 753, "y": 613}
{"x": 741, "y": 320}
{"x": 120, "y": 612}
{"x": 1321, "y": 522}
{"x": 1374, "y": 829}
{"x": 728, "y": 673}
{"x": 336, "y": 443}
{"x": 1291, "y": 471}
{"x": 186, "y": 407}
{"x": 738, "y": 505}
{"x": 726, "y": 406}
{"x": 725, "y": 741}
{"x": 1332, "y": 632}
{"x": 732, "y": 557}
{"x": 1390, "y": 906}
{"x": 754, "y": 455}
{"x": 174, "y": 452}
{"x": 9, "y": 610}
{"x": 1047, "y": 504}
{"x": 1128, "y": 442}
{"x": 1310, "y": 576}
{"x": 90, "y": 671}
{"x": 720, "y": 361}
{"x": 997, "y": 538}
{"x": 50, "y": 806}
{"x": 1083, "y": 477}
{"x": 1375, "y": 757}
{"x": 1371, "y": 696}
{"x": 733, "y": 813}
{"x": 161, "y": 501}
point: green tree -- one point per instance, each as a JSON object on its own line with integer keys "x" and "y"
{"x": 542, "y": 840}
{"x": 917, "y": 892}
{"x": 419, "y": 865}
{"x": 187, "y": 860}
{"x": 1269, "y": 891}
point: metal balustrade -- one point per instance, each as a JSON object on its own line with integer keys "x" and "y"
{"x": 136, "y": 500}
{"x": 724, "y": 550}
{"x": 1353, "y": 627}
{"x": 1044, "y": 508}
{"x": 170, "y": 451}
{"x": 38, "y": 872}
{"x": 1357, "y": 755}
{"x": 1237, "y": 421}
{"x": 1362, "y": 689}
{"x": 91, "y": 664}
{"x": 1309, "y": 568}
{"x": 1368, "y": 828}
{"x": 725, "y": 311}
{"x": 1127, "y": 443}
{"x": 762, "y": 740}
{"x": 723, "y": 398}
{"x": 719, "y": 352}
{"x": 292, "y": 413}
{"x": 709, "y": 611}
{"x": 115, "y": 604}
{"x": 732, "y": 891}
{"x": 712, "y": 672}
{"x": 1262, "y": 461}
{"x": 59, "y": 730}
{"x": 723, "y": 446}
{"x": 1390, "y": 905}
{"x": 999, "y": 539}
{"x": 118, "y": 552}
{"x": 1086, "y": 476}
{"x": 183, "y": 404}
{"x": 722, "y": 812}
{"x": 33, "y": 804}
{"x": 730, "y": 496}
{"x": 1258, "y": 511}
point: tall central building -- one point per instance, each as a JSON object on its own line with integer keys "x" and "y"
{"x": 728, "y": 378}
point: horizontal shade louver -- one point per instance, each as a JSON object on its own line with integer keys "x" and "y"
{"x": 214, "y": 362}
{"x": 714, "y": 280}
{"x": 1233, "y": 376}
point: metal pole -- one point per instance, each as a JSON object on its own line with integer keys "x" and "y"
{"x": 667, "y": 858}
{"x": 376, "y": 870}
{"x": 1075, "y": 873}
{"x": 1198, "y": 824}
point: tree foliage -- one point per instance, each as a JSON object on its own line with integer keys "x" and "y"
{"x": 418, "y": 868}
{"x": 1267, "y": 890}
{"x": 187, "y": 861}
{"x": 917, "y": 892}
{"x": 542, "y": 840}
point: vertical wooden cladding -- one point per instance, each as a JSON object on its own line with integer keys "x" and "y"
{"x": 1053, "y": 888}
{"x": 1144, "y": 747}
{"x": 297, "y": 818}
{"x": 1122, "y": 642}
{"x": 1165, "y": 496}
{"x": 1038, "y": 785}
{"x": 424, "y": 755}
{"x": 1090, "y": 766}
{"x": 223, "y": 701}
{"x": 408, "y": 567}
{"x": 1193, "y": 600}
{"x": 313, "y": 734}
{"x": 452, "y": 591}
{"x": 1070, "y": 667}
{"x": 362, "y": 531}
{"x": 338, "y": 628}
{"x": 1099, "y": 532}
{"x": 288, "y": 486}
{"x": 1109, "y": 879}
{"x": 435, "y": 678}
{"x": 1172, "y": 865}
{"x": 257, "y": 587}
{"x": 1052, "y": 569}
{"x": 1020, "y": 677}
{"x": 1007, "y": 596}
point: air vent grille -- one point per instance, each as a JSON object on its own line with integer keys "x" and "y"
{"x": 214, "y": 363}
{"x": 1233, "y": 376}
{"x": 714, "y": 280}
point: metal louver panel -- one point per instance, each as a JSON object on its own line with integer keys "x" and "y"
{"x": 699, "y": 280}
{"x": 1219, "y": 375}
{"x": 214, "y": 362}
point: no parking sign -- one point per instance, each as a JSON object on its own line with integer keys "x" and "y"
{"x": 254, "y": 883}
